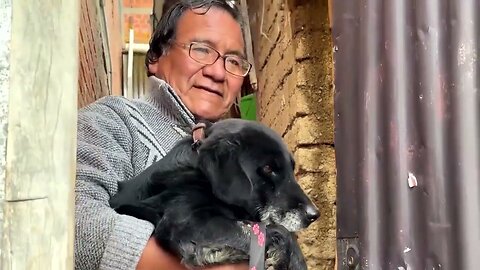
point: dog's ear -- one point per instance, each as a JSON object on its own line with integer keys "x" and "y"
{"x": 220, "y": 162}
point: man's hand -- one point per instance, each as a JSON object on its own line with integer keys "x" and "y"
{"x": 155, "y": 258}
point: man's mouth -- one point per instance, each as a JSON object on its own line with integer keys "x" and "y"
{"x": 213, "y": 91}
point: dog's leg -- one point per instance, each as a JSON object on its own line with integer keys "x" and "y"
{"x": 215, "y": 254}
{"x": 283, "y": 251}
{"x": 211, "y": 242}
{"x": 140, "y": 212}
{"x": 297, "y": 260}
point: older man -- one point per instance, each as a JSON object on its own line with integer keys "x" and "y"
{"x": 197, "y": 58}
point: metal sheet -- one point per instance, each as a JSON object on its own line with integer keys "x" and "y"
{"x": 407, "y": 133}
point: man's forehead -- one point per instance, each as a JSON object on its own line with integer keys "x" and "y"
{"x": 216, "y": 28}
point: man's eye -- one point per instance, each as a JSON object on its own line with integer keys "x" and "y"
{"x": 233, "y": 61}
{"x": 203, "y": 50}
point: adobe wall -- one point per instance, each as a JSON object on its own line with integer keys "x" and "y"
{"x": 293, "y": 52}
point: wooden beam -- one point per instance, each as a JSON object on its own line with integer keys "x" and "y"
{"x": 330, "y": 13}
{"x": 5, "y": 36}
{"x": 39, "y": 173}
{"x": 249, "y": 44}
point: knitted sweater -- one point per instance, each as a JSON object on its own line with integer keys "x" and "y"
{"x": 117, "y": 139}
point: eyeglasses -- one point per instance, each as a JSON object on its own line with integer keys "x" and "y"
{"x": 207, "y": 55}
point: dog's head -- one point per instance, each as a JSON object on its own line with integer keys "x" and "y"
{"x": 249, "y": 166}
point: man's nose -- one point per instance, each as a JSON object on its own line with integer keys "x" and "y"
{"x": 216, "y": 71}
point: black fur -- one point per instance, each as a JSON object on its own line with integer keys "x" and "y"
{"x": 201, "y": 201}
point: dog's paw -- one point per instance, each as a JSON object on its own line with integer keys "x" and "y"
{"x": 214, "y": 255}
{"x": 297, "y": 260}
{"x": 276, "y": 258}
{"x": 283, "y": 251}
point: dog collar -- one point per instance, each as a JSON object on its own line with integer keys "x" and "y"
{"x": 198, "y": 134}
{"x": 257, "y": 246}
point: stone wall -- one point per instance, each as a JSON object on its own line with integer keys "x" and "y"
{"x": 293, "y": 52}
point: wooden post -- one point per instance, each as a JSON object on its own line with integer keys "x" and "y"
{"x": 38, "y": 110}
{"x": 5, "y": 35}
{"x": 249, "y": 44}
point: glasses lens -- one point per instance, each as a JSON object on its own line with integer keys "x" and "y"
{"x": 203, "y": 54}
{"x": 237, "y": 65}
{"x": 206, "y": 55}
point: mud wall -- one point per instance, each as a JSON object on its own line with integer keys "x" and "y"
{"x": 293, "y": 54}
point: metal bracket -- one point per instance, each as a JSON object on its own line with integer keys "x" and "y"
{"x": 348, "y": 254}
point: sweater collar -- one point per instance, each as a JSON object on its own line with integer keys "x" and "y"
{"x": 162, "y": 96}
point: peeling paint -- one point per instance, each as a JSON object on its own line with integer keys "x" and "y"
{"x": 412, "y": 180}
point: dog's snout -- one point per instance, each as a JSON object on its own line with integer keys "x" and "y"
{"x": 312, "y": 212}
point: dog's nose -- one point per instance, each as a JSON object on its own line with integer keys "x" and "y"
{"x": 312, "y": 213}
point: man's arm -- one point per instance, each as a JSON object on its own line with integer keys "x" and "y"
{"x": 104, "y": 239}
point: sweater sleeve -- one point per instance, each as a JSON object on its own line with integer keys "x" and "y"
{"x": 104, "y": 239}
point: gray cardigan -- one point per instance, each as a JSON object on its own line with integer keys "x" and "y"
{"x": 117, "y": 139}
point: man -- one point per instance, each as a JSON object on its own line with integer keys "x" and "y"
{"x": 197, "y": 58}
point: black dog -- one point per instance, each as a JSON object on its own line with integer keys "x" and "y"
{"x": 202, "y": 201}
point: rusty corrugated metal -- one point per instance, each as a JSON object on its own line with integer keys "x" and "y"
{"x": 407, "y": 108}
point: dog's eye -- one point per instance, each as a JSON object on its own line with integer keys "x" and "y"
{"x": 267, "y": 170}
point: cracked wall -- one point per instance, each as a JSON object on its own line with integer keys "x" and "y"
{"x": 293, "y": 52}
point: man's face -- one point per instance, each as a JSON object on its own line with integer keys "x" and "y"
{"x": 207, "y": 90}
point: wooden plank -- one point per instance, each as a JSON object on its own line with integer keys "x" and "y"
{"x": 115, "y": 43}
{"x": 249, "y": 44}
{"x": 5, "y": 34}
{"x": 330, "y": 13}
{"x": 40, "y": 159}
{"x": 255, "y": 20}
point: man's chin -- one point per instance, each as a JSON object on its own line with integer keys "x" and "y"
{"x": 210, "y": 110}
{"x": 207, "y": 115}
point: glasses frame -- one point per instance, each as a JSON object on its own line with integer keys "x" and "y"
{"x": 219, "y": 55}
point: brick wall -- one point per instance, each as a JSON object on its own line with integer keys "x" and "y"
{"x": 293, "y": 52}
{"x": 137, "y": 15}
{"x": 100, "y": 71}
{"x": 93, "y": 82}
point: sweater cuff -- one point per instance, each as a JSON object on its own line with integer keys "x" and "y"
{"x": 126, "y": 243}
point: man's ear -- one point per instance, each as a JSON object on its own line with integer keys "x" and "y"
{"x": 153, "y": 68}
{"x": 221, "y": 164}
